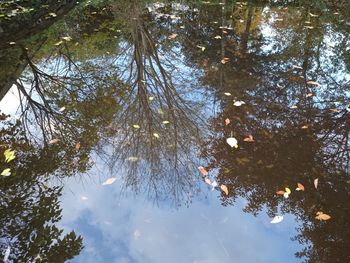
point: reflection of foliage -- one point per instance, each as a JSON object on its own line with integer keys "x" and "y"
{"x": 30, "y": 208}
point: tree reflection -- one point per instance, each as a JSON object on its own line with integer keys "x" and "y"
{"x": 29, "y": 205}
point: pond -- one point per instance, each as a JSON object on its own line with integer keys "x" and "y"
{"x": 176, "y": 131}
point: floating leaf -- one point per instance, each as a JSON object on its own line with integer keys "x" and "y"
{"x": 309, "y": 95}
{"x": 316, "y": 183}
{"x": 297, "y": 67}
{"x": 227, "y": 121}
{"x": 58, "y": 43}
{"x": 151, "y": 98}
{"x": 217, "y": 37}
{"x": 6, "y": 172}
{"x": 166, "y": 122}
{"x": 203, "y": 171}
{"x": 311, "y": 82}
{"x": 62, "y": 109}
{"x": 77, "y": 146}
{"x": 322, "y": 216}
{"x": 287, "y": 190}
{"x": 300, "y": 187}
{"x": 294, "y": 107}
{"x": 227, "y": 93}
{"x": 133, "y": 158}
{"x": 232, "y": 142}
{"x": 172, "y": 36}
{"x": 109, "y": 181}
{"x": 224, "y": 189}
{"x": 54, "y": 141}
{"x": 249, "y": 138}
{"x": 9, "y": 155}
{"x": 277, "y": 219}
{"x": 305, "y": 126}
{"x": 281, "y": 192}
{"x": 225, "y": 60}
{"x": 156, "y": 135}
{"x": 238, "y": 103}
{"x": 136, "y": 126}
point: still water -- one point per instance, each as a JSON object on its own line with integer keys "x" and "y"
{"x": 177, "y": 132}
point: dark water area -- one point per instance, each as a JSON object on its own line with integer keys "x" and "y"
{"x": 189, "y": 131}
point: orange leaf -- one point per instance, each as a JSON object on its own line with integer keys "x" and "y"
{"x": 224, "y": 188}
{"x": 322, "y": 216}
{"x": 227, "y": 121}
{"x": 281, "y": 192}
{"x": 203, "y": 171}
{"x": 300, "y": 187}
{"x": 249, "y": 138}
{"x": 77, "y": 146}
{"x": 305, "y": 127}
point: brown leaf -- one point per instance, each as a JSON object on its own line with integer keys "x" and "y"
{"x": 109, "y": 181}
{"x": 227, "y": 121}
{"x": 224, "y": 188}
{"x": 77, "y": 146}
{"x": 310, "y": 82}
{"x": 249, "y": 138}
{"x": 316, "y": 183}
{"x": 281, "y": 192}
{"x": 322, "y": 216}
{"x": 309, "y": 95}
{"x": 300, "y": 187}
{"x": 203, "y": 171}
{"x": 54, "y": 141}
{"x": 225, "y": 60}
{"x": 305, "y": 127}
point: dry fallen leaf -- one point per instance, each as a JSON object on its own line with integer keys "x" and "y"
{"x": 225, "y": 60}
{"x": 77, "y": 146}
{"x": 172, "y": 36}
{"x": 316, "y": 183}
{"x": 276, "y": 220}
{"x": 53, "y": 141}
{"x": 305, "y": 127}
{"x": 227, "y": 93}
{"x": 322, "y": 216}
{"x": 281, "y": 192}
{"x": 300, "y": 187}
{"x": 227, "y": 121}
{"x": 207, "y": 180}
{"x": 109, "y": 181}
{"x": 249, "y": 138}
{"x": 310, "y": 82}
{"x": 309, "y": 95}
{"x": 224, "y": 188}
{"x": 203, "y": 171}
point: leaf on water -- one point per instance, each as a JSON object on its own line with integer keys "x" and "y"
{"x": 309, "y": 27}
{"x": 281, "y": 192}
{"x": 300, "y": 187}
{"x": 334, "y": 110}
{"x": 232, "y": 142}
{"x": 227, "y": 121}
{"x": 249, "y": 138}
{"x": 6, "y": 172}
{"x": 287, "y": 190}
{"x": 297, "y": 67}
{"x": 207, "y": 180}
{"x": 151, "y": 98}
{"x": 227, "y": 93}
{"x": 12, "y": 43}
{"x": 9, "y": 155}
{"x": 309, "y": 95}
{"x": 68, "y": 38}
{"x": 58, "y": 43}
{"x": 109, "y": 181}
{"x": 305, "y": 126}
{"x": 316, "y": 183}
{"x": 77, "y": 146}
{"x": 224, "y": 189}
{"x": 277, "y": 219}
{"x": 133, "y": 158}
{"x": 7, "y": 254}
{"x": 225, "y": 60}
{"x": 294, "y": 107}
{"x": 311, "y": 82}
{"x": 156, "y": 135}
{"x": 322, "y": 216}
{"x": 54, "y": 141}
{"x": 203, "y": 171}
{"x": 62, "y": 109}
{"x": 172, "y": 36}
{"x": 238, "y": 103}
{"x": 136, "y": 126}
{"x": 217, "y": 37}
{"x": 166, "y": 122}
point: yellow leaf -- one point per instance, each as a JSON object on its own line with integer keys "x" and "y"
{"x": 287, "y": 190}
{"x": 136, "y": 126}
{"x": 9, "y": 155}
{"x": 224, "y": 188}
{"x": 156, "y": 135}
{"x": 166, "y": 122}
{"x": 6, "y": 172}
